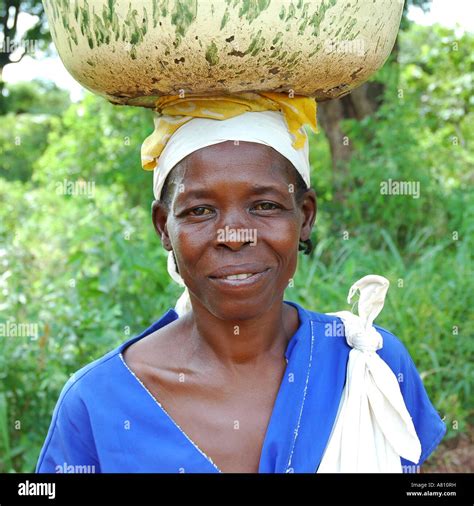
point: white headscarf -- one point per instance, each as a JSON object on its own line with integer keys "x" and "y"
{"x": 266, "y": 127}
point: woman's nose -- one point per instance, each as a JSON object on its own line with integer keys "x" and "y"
{"x": 234, "y": 230}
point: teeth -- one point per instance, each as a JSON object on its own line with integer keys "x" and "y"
{"x": 239, "y": 276}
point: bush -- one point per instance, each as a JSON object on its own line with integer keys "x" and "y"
{"x": 89, "y": 273}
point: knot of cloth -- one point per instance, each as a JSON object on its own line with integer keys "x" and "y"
{"x": 373, "y": 428}
{"x": 361, "y": 338}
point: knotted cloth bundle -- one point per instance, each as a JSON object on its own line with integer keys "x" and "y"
{"x": 373, "y": 428}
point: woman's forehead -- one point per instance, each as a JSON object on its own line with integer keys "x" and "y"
{"x": 236, "y": 160}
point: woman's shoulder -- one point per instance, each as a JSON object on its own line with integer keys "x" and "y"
{"x": 102, "y": 373}
{"x": 89, "y": 378}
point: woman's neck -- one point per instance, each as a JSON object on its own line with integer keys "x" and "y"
{"x": 242, "y": 342}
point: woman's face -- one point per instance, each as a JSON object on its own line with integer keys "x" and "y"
{"x": 233, "y": 212}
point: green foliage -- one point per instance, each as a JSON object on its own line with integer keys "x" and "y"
{"x": 36, "y": 97}
{"x": 99, "y": 142}
{"x": 9, "y": 11}
{"x": 31, "y": 113}
{"x": 89, "y": 272}
{"x": 418, "y": 135}
{"x": 9, "y": 33}
{"x": 23, "y": 139}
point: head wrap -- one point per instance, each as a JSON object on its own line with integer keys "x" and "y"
{"x": 184, "y": 125}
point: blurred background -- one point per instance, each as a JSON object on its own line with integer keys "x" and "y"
{"x": 81, "y": 269}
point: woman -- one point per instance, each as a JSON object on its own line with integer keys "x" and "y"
{"x": 236, "y": 379}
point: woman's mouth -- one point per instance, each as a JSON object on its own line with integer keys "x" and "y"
{"x": 244, "y": 279}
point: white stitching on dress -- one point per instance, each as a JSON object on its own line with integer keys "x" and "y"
{"x": 167, "y": 414}
{"x": 289, "y": 469}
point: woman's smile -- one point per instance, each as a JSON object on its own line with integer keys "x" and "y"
{"x": 242, "y": 280}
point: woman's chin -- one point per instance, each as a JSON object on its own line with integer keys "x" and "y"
{"x": 240, "y": 308}
{"x": 239, "y": 299}
{"x": 234, "y": 311}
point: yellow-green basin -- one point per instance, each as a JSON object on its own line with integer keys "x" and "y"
{"x": 132, "y": 51}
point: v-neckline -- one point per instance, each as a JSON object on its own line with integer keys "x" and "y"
{"x": 303, "y": 320}
{"x": 173, "y": 421}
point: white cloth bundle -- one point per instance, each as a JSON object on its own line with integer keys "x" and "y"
{"x": 373, "y": 428}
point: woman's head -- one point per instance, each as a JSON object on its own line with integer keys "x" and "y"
{"x": 233, "y": 208}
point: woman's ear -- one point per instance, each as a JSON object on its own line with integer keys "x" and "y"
{"x": 159, "y": 216}
{"x": 309, "y": 208}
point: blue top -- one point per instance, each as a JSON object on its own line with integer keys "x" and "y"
{"x": 106, "y": 418}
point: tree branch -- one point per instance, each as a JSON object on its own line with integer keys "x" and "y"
{"x": 7, "y": 32}
{"x": 15, "y": 18}
{"x": 19, "y": 59}
{"x": 4, "y": 22}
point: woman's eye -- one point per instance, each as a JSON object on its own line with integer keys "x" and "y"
{"x": 266, "y": 206}
{"x": 199, "y": 211}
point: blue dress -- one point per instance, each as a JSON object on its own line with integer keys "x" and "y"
{"x": 107, "y": 421}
